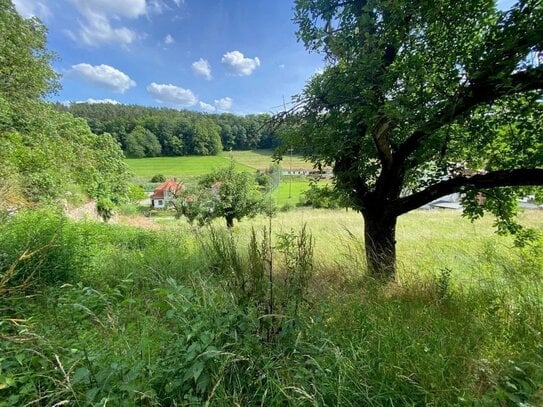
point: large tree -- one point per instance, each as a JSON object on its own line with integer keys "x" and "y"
{"x": 420, "y": 99}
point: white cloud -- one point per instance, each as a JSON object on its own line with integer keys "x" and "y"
{"x": 98, "y": 15}
{"x": 239, "y": 64}
{"x": 282, "y": 66}
{"x": 167, "y": 93}
{"x": 224, "y": 103}
{"x": 202, "y": 68}
{"x": 104, "y": 76}
{"x": 161, "y": 6}
{"x": 99, "y": 31}
{"x": 206, "y": 107}
{"x": 99, "y": 101}
{"x": 111, "y": 8}
{"x": 32, "y": 8}
{"x": 168, "y": 39}
{"x": 156, "y": 6}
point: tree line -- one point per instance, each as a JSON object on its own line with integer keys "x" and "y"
{"x": 152, "y": 132}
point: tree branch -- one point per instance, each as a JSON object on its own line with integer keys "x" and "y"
{"x": 478, "y": 93}
{"x": 382, "y": 141}
{"x": 494, "y": 179}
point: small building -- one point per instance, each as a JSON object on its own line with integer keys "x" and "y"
{"x": 296, "y": 171}
{"x": 165, "y": 192}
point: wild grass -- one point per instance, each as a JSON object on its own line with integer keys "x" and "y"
{"x": 158, "y": 318}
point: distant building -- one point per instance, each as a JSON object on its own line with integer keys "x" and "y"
{"x": 305, "y": 171}
{"x": 296, "y": 171}
{"x": 165, "y": 192}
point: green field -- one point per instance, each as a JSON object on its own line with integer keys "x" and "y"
{"x": 428, "y": 240}
{"x": 192, "y": 166}
{"x": 261, "y": 159}
{"x": 290, "y": 190}
{"x": 180, "y": 167}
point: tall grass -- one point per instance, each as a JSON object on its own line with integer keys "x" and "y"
{"x": 171, "y": 318}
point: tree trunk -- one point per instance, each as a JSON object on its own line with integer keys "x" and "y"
{"x": 380, "y": 244}
{"x": 229, "y": 221}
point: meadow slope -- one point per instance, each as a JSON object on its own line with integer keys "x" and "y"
{"x": 117, "y": 315}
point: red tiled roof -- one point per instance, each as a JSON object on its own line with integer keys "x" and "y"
{"x": 169, "y": 185}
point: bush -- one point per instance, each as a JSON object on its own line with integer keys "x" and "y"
{"x": 136, "y": 193}
{"x": 158, "y": 178}
{"x": 321, "y": 197}
{"x": 129, "y": 209}
{"x": 262, "y": 179}
{"x": 287, "y": 206}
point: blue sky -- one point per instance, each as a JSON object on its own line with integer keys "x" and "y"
{"x": 240, "y": 56}
{"x": 206, "y": 55}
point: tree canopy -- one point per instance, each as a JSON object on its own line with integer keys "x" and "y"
{"x": 178, "y": 132}
{"x": 43, "y": 152}
{"x": 419, "y": 100}
{"x": 224, "y": 193}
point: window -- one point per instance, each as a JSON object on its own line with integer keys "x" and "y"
{"x": 160, "y": 202}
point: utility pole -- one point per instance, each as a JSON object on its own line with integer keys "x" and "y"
{"x": 290, "y": 178}
{"x": 290, "y": 151}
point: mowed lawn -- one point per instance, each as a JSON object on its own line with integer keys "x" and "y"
{"x": 180, "y": 167}
{"x": 262, "y": 159}
{"x": 193, "y": 166}
{"x": 290, "y": 190}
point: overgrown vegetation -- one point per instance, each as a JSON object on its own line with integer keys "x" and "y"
{"x": 120, "y": 316}
{"x": 43, "y": 152}
{"x": 281, "y": 314}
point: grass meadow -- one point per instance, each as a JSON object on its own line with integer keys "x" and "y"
{"x": 290, "y": 190}
{"x": 190, "y": 167}
{"x": 428, "y": 241}
{"x": 261, "y": 159}
{"x": 179, "y": 167}
{"x": 179, "y": 316}
{"x": 193, "y": 166}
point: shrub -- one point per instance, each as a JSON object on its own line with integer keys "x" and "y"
{"x": 158, "y": 178}
{"x": 287, "y": 206}
{"x": 321, "y": 197}
{"x": 136, "y": 193}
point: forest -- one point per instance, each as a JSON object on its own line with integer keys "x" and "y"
{"x": 152, "y": 132}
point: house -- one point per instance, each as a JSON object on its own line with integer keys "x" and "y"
{"x": 165, "y": 192}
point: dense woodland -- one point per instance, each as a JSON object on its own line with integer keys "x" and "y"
{"x": 151, "y": 132}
